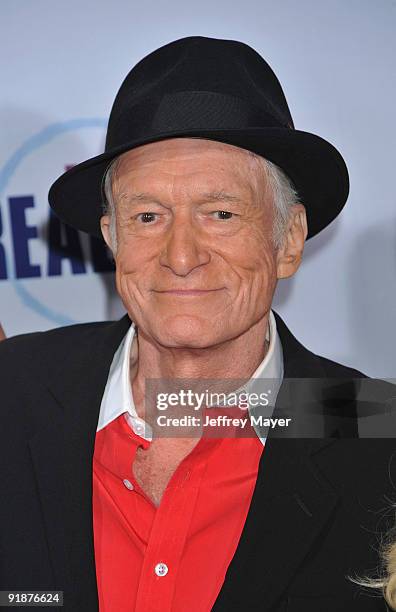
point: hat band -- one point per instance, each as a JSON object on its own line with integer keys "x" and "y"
{"x": 187, "y": 110}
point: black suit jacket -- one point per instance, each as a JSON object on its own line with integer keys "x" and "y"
{"x": 319, "y": 506}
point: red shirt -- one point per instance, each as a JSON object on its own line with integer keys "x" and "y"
{"x": 173, "y": 557}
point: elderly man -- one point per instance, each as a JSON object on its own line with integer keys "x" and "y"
{"x": 210, "y": 194}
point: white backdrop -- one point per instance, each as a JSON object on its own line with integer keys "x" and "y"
{"x": 61, "y": 66}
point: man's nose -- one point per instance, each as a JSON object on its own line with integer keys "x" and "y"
{"x": 183, "y": 249}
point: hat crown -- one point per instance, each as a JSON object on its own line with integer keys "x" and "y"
{"x": 196, "y": 81}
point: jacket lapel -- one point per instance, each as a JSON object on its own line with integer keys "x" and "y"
{"x": 62, "y": 454}
{"x": 291, "y": 502}
{"x": 289, "y": 509}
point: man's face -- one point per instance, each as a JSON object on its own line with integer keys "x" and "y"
{"x": 195, "y": 263}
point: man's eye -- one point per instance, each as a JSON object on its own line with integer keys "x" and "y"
{"x": 223, "y": 214}
{"x": 146, "y": 217}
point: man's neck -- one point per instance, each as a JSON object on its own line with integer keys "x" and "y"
{"x": 236, "y": 359}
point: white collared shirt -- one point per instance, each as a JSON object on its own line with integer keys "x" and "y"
{"x": 118, "y": 398}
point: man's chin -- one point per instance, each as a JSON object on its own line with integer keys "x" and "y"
{"x": 187, "y": 332}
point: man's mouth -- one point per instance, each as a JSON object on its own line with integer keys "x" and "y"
{"x": 186, "y": 292}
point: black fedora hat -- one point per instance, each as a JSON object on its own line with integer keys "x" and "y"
{"x": 208, "y": 88}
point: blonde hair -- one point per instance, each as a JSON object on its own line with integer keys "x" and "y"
{"x": 385, "y": 581}
{"x": 389, "y": 584}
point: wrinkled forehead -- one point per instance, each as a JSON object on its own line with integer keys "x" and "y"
{"x": 207, "y": 160}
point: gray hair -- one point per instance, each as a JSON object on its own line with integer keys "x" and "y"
{"x": 282, "y": 189}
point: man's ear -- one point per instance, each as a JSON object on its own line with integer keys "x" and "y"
{"x": 105, "y": 227}
{"x": 289, "y": 255}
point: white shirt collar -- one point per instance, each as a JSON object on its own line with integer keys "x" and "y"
{"x": 118, "y": 398}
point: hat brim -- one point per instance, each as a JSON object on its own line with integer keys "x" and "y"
{"x": 315, "y": 167}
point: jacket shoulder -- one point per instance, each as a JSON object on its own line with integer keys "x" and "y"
{"x": 36, "y": 363}
{"x": 303, "y": 363}
{"x": 31, "y": 348}
{"x": 338, "y": 370}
